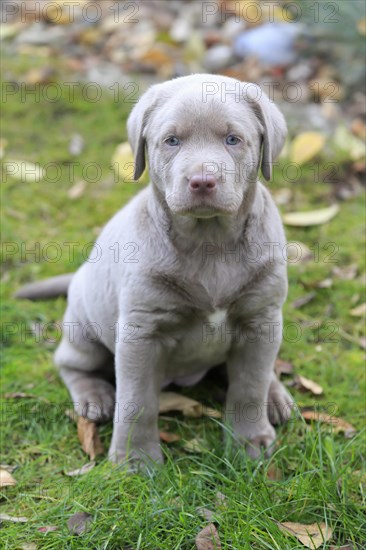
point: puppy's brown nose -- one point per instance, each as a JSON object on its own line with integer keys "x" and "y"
{"x": 202, "y": 184}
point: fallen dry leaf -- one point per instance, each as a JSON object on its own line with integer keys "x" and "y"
{"x": 274, "y": 473}
{"x": 123, "y": 162}
{"x": 28, "y": 546}
{"x": 8, "y": 467}
{"x": 325, "y": 283}
{"x": 47, "y": 529}
{"x": 208, "y": 539}
{"x": 338, "y": 424}
{"x": 27, "y": 172}
{"x": 77, "y": 190}
{"x": 171, "y": 401}
{"x": 89, "y": 437}
{"x": 78, "y": 523}
{"x": 311, "y": 217}
{"x": 297, "y": 253}
{"x": 312, "y": 536}
{"x": 303, "y": 300}
{"x": 207, "y": 514}
{"x": 6, "y": 517}
{"x": 349, "y": 144}
{"x": 359, "y": 311}
{"x": 306, "y": 146}
{"x": 221, "y": 499}
{"x": 358, "y": 128}
{"x": 361, "y": 26}
{"x": 283, "y": 367}
{"x": 81, "y": 471}
{"x": 168, "y": 437}
{"x": 22, "y": 395}
{"x": 345, "y": 273}
{"x": 344, "y": 547}
{"x": 72, "y": 414}
{"x": 194, "y": 445}
{"x": 305, "y": 384}
{"x": 6, "y": 479}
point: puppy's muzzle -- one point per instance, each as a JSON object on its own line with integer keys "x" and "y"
{"x": 202, "y": 185}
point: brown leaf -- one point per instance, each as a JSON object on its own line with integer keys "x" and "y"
{"x": 339, "y": 424}
{"x": 305, "y": 384}
{"x": 81, "y": 471}
{"x": 168, "y": 437}
{"x": 89, "y": 438}
{"x": 208, "y": 539}
{"x": 311, "y": 536}
{"x": 344, "y": 547}
{"x": 283, "y": 367}
{"x": 6, "y": 479}
{"x": 274, "y": 473}
{"x": 303, "y": 300}
{"x": 22, "y": 395}
{"x": 6, "y": 517}
{"x": 171, "y": 401}
{"x": 47, "y": 529}
{"x": 78, "y": 523}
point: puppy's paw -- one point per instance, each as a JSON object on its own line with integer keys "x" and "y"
{"x": 263, "y": 441}
{"x": 95, "y": 400}
{"x": 136, "y": 460}
{"x": 280, "y": 404}
{"x": 256, "y": 437}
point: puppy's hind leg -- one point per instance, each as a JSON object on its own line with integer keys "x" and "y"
{"x": 85, "y": 366}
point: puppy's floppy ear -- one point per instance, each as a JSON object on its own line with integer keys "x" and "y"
{"x": 136, "y": 125}
{"x": 274, "y": 127}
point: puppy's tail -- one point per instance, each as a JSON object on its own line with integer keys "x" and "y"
{"x": 43, "y": 290}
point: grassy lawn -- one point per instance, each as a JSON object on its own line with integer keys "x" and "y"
{"x": 320, "y": 473}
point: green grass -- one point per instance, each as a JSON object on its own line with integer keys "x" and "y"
{"x": 322, "y": 472}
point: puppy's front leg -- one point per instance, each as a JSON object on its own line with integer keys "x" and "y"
{"x": 138, "y": 381}
{"x": 250, "y": 369}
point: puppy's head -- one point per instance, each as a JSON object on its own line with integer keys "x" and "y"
{"x": 206, "y": 137}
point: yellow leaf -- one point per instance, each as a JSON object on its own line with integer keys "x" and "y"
{"x": 311, "y": 217}
{"x": 306, "y": 146}
{"x": 123, "y": 162}
{"x": 361, "y": 26}
{"x": 312, "y": 536}
{"x": 27, "y": 172}
{"x": 359, "y": 311}
{"x": 171, "y": 401}
{"x": 349, "y": 144}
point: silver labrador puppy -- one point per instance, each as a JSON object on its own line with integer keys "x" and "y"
{"x": 190, "y": 274}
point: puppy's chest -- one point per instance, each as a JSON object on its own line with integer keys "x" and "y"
{"x": 217, "y": 286}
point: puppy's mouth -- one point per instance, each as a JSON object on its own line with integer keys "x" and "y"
{"x": 202, "y": 211}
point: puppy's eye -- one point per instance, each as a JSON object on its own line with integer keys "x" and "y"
{"x": 172, "y": 141}
{"x": 232, "y": 140}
